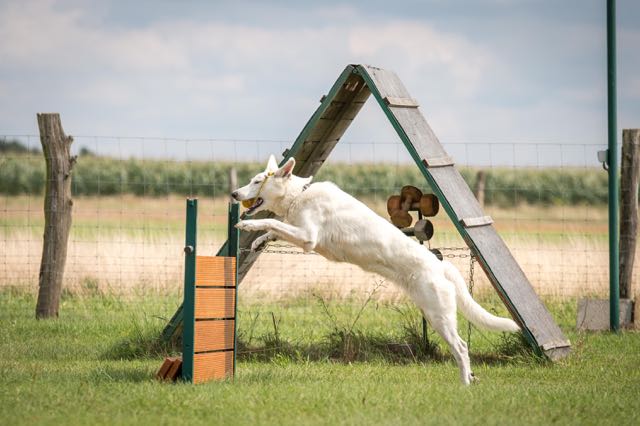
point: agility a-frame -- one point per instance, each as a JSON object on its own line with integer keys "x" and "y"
{"x": 323, "y": 131}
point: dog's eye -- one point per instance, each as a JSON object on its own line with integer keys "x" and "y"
{"x": 256, "y": 182}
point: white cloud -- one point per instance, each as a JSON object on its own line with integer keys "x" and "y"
{"x": 418, "y": 49}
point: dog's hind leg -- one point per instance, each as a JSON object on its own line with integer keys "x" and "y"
{"x": 439, "y": 307}
{"x": 446, "y": 326}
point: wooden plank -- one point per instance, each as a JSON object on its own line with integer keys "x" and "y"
{"x": 459, "y": 202}
{"x": 216, "y": 271}
{"x": 212, "y": 366}
{"x": 456, "y": 192}
{"x": 215, "y": 303}
{"x": 175, "y": 370}
{"x": 470, "y": 222}
{"x": 164, "y": 368}
{"x": 213, "y": 335}
{"x": 514, "y": 288}
{"x": 438, "y": 161}
{"x": 401, "y": 102}
{"x": 417, "y": 129}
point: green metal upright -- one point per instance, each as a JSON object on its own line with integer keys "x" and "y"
{"x": 233, "y": 250}
{"x": 189, "y": 321}
{"x": 614, "y": 256}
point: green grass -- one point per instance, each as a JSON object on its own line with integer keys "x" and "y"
{"x": 95, "y": 365}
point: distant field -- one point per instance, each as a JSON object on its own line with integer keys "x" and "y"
{"x": 24, "y": 174}
{"x": 125, "y": 244}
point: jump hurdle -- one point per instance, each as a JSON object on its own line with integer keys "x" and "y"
{"x": 208, "y": 309}
{"x": 337, "y": 110}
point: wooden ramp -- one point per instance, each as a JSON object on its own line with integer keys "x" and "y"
{"x": 323, "y": 131}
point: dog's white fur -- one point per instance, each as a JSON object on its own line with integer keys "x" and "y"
{"x": 332, "y": 223}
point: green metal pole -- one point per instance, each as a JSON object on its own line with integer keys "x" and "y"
{"x": 188, "y": 305}
{"x": 233, "y": 240}
{"x": 614, "y": 259}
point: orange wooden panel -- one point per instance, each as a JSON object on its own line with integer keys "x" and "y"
{"x": 215, "y": 271}
{"x": 215, "y": 303}
{"x": 212, "y": 366}
{"x": 213, "y": 335}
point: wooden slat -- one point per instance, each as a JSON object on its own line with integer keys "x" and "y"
{"x": 215, "y": 303}
{"x": 212, "y": 366}
{"x": 215, "y": 271}
{"x": 213, "y": 335}
{"x": 401, "y": 102}
{"x": 438, "y": 161}
{"x": 470, "y": 222}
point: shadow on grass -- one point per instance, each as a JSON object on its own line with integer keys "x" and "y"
{"x": 142, "y": 341}
{"x": 357, "y": 346}
{"x": 337, "y": 346}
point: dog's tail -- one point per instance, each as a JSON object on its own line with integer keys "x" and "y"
{"x": 471, "y": 309}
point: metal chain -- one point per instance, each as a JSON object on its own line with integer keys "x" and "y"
{"x": 472, "y": 263}
{"x": 280, "y": 248}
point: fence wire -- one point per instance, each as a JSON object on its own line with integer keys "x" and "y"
{"x": 128, "y": 215}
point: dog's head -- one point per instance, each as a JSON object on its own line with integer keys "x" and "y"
{"x": 265, "y": 188}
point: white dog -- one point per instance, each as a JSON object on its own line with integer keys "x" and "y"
{"x": 323, "y": 218}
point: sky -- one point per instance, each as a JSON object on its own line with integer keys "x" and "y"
{"x": 513, "y": 73}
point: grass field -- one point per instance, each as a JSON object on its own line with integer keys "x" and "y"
{"x": 95, "y": 365}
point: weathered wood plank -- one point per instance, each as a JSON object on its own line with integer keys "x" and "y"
{"x": 401, "y": 102}
{"x": 438, "y": 162}
{"x": 470, "y": 222}
{"x": 456, "y": 192}
{"x": 514, "y": 288}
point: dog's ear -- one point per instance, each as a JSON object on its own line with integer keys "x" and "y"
{"x": 285, "y": 171}
{"x": 272, "y": 165}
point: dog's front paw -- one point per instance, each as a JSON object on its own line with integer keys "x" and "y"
{"x": 248, "y": 225}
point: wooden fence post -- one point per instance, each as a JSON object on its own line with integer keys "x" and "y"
{"x": 630, "y": 173}
{"x": 57, "y": 213}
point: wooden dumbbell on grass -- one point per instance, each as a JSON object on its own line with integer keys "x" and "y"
{"x": 423, "y": 230}
{"x": 411, "y": 199}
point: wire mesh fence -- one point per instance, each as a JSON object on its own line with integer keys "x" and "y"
{"x": 548, "y": 202}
